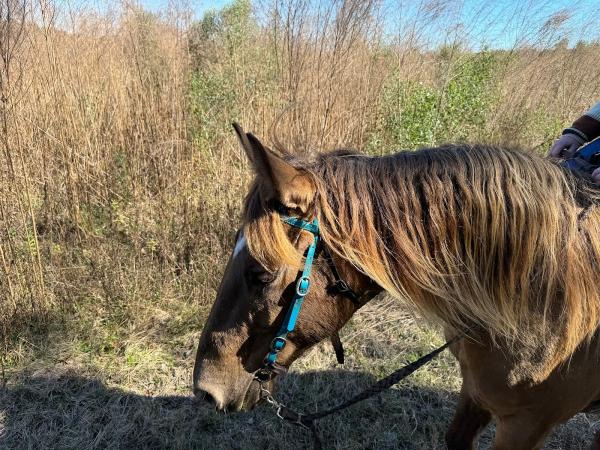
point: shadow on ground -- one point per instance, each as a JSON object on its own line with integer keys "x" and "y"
{"x": 73, "y": 412}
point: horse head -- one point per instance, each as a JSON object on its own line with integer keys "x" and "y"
{"x": 261, "y": 286}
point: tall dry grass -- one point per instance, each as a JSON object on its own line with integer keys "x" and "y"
{"x": 121, "y": 182}
{"x": 96, "y": 154}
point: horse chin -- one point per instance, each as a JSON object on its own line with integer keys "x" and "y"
{"x": 252, "y": 397}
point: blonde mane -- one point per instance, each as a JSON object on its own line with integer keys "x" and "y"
{"x": 483, "y": 239}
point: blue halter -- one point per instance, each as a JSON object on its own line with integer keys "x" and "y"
{"x": 302, "y": 286}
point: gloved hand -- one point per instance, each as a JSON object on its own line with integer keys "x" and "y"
{"x": 566, "y": 145}
{"x": 596, "y": 175}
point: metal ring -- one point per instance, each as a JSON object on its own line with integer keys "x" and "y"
{"x": 299, "y": 292}
{"x": 276, "y": 340}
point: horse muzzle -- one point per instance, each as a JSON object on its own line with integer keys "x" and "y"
{"x": 229, "y": 401}
{"x": 228, "y": 388}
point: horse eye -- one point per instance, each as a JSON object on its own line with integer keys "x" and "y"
{"x": 259, "y": 276}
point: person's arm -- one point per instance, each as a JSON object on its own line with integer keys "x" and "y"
{"x": 589, "y": 123}
{"x": 583, "y": 130}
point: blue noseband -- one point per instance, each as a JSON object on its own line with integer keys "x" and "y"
{"x": 302, "y": 286}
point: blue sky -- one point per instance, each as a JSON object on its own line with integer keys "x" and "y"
{"x": 200, "y": 7}
{"x": 495, "y": 23}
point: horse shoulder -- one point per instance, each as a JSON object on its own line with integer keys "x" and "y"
{"x": 507, "y": 383}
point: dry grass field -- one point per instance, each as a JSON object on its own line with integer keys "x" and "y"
{"x": 140, "y": 397}
{"x": 121, "y": 185}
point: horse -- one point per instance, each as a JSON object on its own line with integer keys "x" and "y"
{"x": 490, "y": 242}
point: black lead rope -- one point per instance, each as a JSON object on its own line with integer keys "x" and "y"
{"x": 309, "y": 420}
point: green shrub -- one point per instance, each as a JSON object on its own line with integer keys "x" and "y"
{"x": 414, "y": 114}
{"x": 212, "y": 104}
{"x": 229, "y": 71}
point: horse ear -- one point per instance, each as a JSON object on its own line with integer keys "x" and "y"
{"x": 279, "y": 180}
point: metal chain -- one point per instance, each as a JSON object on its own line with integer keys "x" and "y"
{"x": 266, "y": 395}
{"x": 288, "y": 415}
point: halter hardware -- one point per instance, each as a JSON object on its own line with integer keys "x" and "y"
{"x": 270, "y": 365}
{"x": 302, "y": 287}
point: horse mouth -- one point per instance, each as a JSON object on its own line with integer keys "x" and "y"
{"x": 250, "y": 399}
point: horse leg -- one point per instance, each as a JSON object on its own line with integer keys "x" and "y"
{"x": 521, "y": 432}
{"x": 469, "y": 420}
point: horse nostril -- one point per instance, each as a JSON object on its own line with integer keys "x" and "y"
{"x": 210, "y": 399}
{"x": 206, "y": 396}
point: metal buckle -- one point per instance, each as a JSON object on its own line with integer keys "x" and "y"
{"x": 299, "y": 291}
{"x": 342, "y": 286}
{"x": 274, "y": 344}
{"x": 263, "y": 375}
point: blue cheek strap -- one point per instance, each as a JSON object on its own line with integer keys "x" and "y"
{"x": 302, "y": 287}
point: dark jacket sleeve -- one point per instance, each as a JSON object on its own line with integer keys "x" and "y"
{"x": 589, "y": 123}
